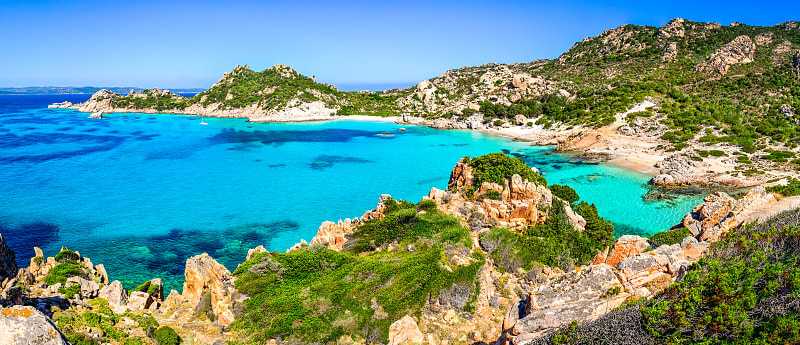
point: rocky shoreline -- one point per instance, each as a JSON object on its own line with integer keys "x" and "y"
{"x": 616, "y": 144}
{"x": 630, "y": 269}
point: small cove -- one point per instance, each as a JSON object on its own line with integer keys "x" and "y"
{"x": 140, "y": 193}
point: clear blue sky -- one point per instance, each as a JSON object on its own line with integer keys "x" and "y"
{"x": 191, "y": 43}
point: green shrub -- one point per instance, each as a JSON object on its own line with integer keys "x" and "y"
{"x": 565, "y": 192}
{"x": 60, "y": 272}
{"x": 669, "y": 237}
{"x": 743, "y": 292}
{"x": 69, "y": 291}
{"x": 65, "y": 254}
{"x": 555, "y": 243}
{"x": 495, "y": 167}
{"x": 492, "y": 194}
{"x": 402, "y": 222}
{"x": 165, "y": 335}
{"x": 790, "y": 189}
{"x": 317, "y": 295}
{"x": 779, "y": 156}
{"x": 597, "y": 229}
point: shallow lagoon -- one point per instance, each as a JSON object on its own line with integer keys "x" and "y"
{"x": 141, "y": 193}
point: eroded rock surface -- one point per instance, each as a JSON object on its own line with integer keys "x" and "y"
{"x": 739, "y": 51}
{"x": 23, "y": 325}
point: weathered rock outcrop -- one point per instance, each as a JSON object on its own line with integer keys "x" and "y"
{"x": 460, "y": 89}
{"x": 516, "y": 204}
{"x": 206, "y": 279}
{"x": 739, "y": 51}
{"x": 629, "y": 270}
{"x": 22, "y": 325}
{"x": 405, "y": 332}
{"x": 720, "y": 213}
{"x": 334, "y": 235}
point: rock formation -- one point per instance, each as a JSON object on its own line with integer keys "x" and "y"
{"x": 719, "y": 213}
{"x": 739, "y": 51}
{"x": 405, "y": 332}
{"x": 205, "y": 278}
{"x": 519, "y": 202}
{"x": 23, "y": 325}
{"x": 629, "y": 270}
{"x": 334, "y": 235}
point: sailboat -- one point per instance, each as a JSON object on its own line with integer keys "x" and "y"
{"x": 203, "y": 122}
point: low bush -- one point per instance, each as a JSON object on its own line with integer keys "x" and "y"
{"x": 66, "y": 254}
{"x": 790, "y": 189}
{"x": 564, "y": 192}
{"x": 744, "y": 292}
{"x": 495, "y": 167}
{"x": 669, "y": 237}
{"x": 555, "y": 243}
{"x": 402, "y": 222}
{"x": 60, "y": 272}
{"x": 165, "y": 335}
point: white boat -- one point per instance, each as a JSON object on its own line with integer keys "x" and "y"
{"x": 203, "y": 122}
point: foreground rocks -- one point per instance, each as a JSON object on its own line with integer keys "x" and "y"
{"x": 23, "y": 325}
{"x": 629, "y": 270}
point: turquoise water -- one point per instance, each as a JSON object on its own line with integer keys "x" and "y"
{"x": 141, "y": 193}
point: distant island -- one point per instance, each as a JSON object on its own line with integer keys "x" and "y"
{"x": 76, "y": 90}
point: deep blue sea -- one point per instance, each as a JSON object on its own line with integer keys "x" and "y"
{"x": 141, "y": 193}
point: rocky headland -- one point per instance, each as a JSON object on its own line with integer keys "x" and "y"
{"x": 481, "y": 287}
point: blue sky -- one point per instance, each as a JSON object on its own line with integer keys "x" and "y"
{"x": 191, "y": 43}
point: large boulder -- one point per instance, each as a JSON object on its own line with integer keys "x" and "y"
{"x": 719, "y": 213}
{"x": 116, "y": 296}
{"x": 405, "y": 332}
{"x": 204, "y": 276}
{"x": 23, "y": 325}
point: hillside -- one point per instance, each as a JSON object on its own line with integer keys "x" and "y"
{"x": 278, "y": 93}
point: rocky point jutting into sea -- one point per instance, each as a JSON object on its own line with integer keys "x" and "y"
{"x": 500, "y": 256}
{"x": 501, "y": 299}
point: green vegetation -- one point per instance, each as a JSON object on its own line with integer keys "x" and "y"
{"x": 66, "y": 254}
{"x": 165, "y": 335}
{"x": 68, "y": 266}
{"x": 317, "y": 295}
{"x": 150, "y": 288}
{"x": 98, "y": 324}
{"x": 151, "y": 99}
{"x": 565, "y": 192}
{"x": 69, "y": 291}
{"x": 669, "y": 237}
{"x": 404, "y": 223}
{"x": 745, "y": 292}
{"x": 790, "y": 189}
{"x": 495, "y": 167}
{"x": 554, "y": 243}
